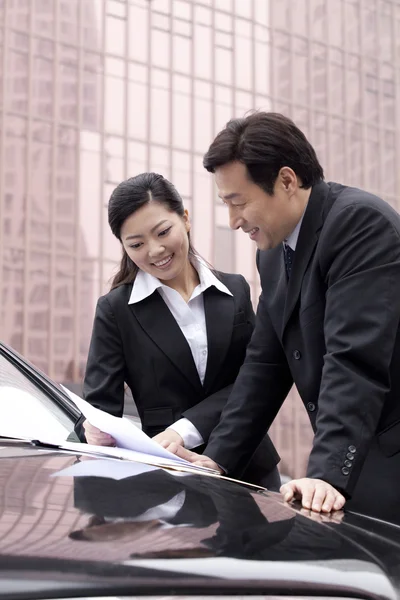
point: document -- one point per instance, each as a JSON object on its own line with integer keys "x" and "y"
{"x": 131, "y": 442}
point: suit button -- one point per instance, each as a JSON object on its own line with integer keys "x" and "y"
{"x": 345, "y": 471}
{"x": 350, "y": 456}
{"x": 296, "y": 354}
{"x": 311, "y": 406}
{"x": 352, "y": 449}
{"x": 348, "y": 463}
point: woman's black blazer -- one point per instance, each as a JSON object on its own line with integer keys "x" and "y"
{"x": 141, "y": 344}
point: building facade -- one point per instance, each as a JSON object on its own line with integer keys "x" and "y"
{"x": 95, "y": 91}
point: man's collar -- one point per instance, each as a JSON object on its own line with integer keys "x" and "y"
{"x": 146, "y": 284}
{"x": 291, "y": 240}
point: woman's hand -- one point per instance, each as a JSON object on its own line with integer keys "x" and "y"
{"x": 168, "y": 436}
{"x": 96, "y": 437}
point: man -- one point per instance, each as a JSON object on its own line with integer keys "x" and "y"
{"x": 328, "y": 318}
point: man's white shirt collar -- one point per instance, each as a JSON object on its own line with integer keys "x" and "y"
{"x": 146, "y": 284}
{"x": 291, "y": 240}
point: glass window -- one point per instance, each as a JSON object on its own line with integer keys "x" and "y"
{"x": 160, "y": 79}
{"x": 114, "y": 105}
{"x": 203, "y": 54}
{"x": 182, "y": 54}
{"x": 244, "y": 9}
{"x": 161, "y": 22}
{"x": 182, "y": 122}
{"x": 336, "y": 90}
{"x": 89, "y": 205}
{"x": 115, "y": 66}
{"x": 226, "y": 5}
{"x": 163, "y": 6}
{"x": 182, "y": 28}
{"x": 26, "y": 411}
{"x": 160, "y": 160}
{"x": 138, "y": 33}
{"x": 160, "y": 41}
{"x": 224, "y": 249}
{"x": 182, "y": 9}
{"x": 115, "y": 35}
{"x": 352, "y": 21}
{"x": 223, "y": 21}
{"x": 202, "y": 15}
{"x": 181, "y": 172}
{"x": 137, "y": 158}
{"x": 223, "y": 66}
{"x": 262, "y": 68}
{"x": 202, "y": 124}
{"x": 202, "y": 89}
{"x": 181, "y": 84}
{"x": 137, "y": 110}
{"x": 159, "y": 116}
{"x": 138, "y": 73}
{"x": 244, "y": 66}
{"x": 262, "y": 11}
{"x": 385, "y": 37}
{"x": 223, "y": 113}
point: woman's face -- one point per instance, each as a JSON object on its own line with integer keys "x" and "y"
{"x": 156, "y": 240}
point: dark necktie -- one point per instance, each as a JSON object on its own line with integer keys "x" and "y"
{"x": 289, "y": 258}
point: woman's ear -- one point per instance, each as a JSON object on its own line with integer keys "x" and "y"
{"x": 186, "y": 220}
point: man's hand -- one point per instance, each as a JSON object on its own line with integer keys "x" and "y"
{"x": 314, "y": 494}
{"x": 169, "y": 436}
{"x": 96, "y": 436}
{"x": 193, "y": 457}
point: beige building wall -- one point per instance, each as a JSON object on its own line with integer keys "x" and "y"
{"x": 94, "y": 91}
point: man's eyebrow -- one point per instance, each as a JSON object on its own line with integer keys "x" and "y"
{"x": 229, "y": 196}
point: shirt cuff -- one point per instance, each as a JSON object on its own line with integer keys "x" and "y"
{"x": 188, "y": 432}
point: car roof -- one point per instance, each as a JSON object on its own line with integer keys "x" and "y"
{"x": 85, "y": 521}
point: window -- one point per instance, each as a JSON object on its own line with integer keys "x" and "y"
{"x": 224, "y": 249}
{"x": 26, "y": 411}
{"x": 182, "y": 54}
{"x": 138, "y": 33}
{"x": 115, "y": 35}
{"x": 137, "y": 110}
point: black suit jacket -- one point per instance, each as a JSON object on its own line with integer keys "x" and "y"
{"x": 333, "y": 330}
{"x": 141, "y": 344}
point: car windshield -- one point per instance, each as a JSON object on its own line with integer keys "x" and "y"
{"x": 26, "y": 411}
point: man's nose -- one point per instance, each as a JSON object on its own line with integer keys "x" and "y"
{"x": 234, "y": 219}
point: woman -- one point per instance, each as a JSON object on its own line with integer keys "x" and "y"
{"x": 171, "y": 328}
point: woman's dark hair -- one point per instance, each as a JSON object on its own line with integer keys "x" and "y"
{"x": 265, "y": 142}
{"x": 126, "y": 199}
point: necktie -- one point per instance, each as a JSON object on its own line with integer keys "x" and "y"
{"x": 289, "y": 257}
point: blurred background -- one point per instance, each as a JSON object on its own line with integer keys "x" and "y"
{"x": 95, "y": 91}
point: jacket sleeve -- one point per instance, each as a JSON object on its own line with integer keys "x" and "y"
{"x": 361, "y": 260}
{"x": 206, "y": 414}
{"x": 262, "y": 385}
{"x": 104, "y": 378}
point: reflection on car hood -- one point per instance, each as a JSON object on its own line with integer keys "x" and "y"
{"x": 83, "y": 522}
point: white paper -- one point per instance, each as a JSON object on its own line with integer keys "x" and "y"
{"x": 130, "y": 440}
{"x": 112, "y": 469}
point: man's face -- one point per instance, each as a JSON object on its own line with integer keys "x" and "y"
{"x": 267, "y": 219}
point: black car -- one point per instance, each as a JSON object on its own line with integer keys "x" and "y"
{"x": 79, "y": 525}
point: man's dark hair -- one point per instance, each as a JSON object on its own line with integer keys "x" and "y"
{"x": 265, "y": 142}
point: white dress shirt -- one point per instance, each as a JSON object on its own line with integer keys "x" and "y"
{"x": 190, "y": 317}
{"x": 291, "y": 240}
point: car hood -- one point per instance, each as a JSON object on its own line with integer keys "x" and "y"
{"x": 87, "y": 523}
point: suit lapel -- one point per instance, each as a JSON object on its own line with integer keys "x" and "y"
{"x": 308, "y": 237}
{"x": 276, "y": 292}
{"x": 219, "y": 311}
{"x": 169, "y": 337}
